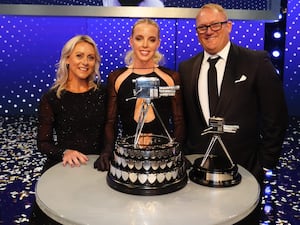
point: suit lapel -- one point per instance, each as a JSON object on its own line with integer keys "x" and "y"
{"x": 228, "y": 85}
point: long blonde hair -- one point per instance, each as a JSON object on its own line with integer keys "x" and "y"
{"x": 158, "y": 57}
{"x": 62, "y": 66}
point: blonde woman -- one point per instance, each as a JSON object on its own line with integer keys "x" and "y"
{"x": 74, "y": 107}
{"x": 142, "y": 60}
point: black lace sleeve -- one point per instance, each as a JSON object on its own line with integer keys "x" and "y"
{"x": 111, "y": 112}
{"x": 45, "y": 138}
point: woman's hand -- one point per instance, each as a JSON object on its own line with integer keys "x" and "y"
{"x": 74, "y": 158}
{"x": 103, "y": 161}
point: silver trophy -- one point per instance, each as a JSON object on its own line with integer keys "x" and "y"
{"x": 148, "y": 89}
{"x": 211, "y": 169}
{"x": 148, "y": 163}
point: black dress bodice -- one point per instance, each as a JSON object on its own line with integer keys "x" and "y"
{"x": 74, "y": 121}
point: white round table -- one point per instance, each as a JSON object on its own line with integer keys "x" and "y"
{"x": 80, "y": 195}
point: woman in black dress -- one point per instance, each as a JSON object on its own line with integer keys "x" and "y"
{"x": 142, "y": 60}
{"x": 71, "y": 114}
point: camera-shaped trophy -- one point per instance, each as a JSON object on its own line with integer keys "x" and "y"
{"x": 148, "y": 89}
{"x": 146, "y": 163}
{"x": 214, "y": 170}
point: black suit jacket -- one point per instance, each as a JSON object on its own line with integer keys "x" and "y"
{"x": 251, "y": 96}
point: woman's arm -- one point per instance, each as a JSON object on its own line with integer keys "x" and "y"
{"x": 45, "y": 139}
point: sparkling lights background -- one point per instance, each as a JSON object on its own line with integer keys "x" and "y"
{"x": 30, "y": 48}
{"x": 292, "y": 58}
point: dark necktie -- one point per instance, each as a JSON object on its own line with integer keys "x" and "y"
{"x": 213, "y": 96}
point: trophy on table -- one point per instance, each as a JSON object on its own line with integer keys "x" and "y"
{"x": 215, "y": 170}
{"x": 148, "y": 163}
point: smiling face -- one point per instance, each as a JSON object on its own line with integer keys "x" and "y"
{"x": 144, "y": 42}
{"x": 81, "y": 61}
{"x": 213, "y": 41}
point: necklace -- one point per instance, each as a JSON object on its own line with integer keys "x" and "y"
{"x": 141, "y": 68}
{"x": 145, "y": 68}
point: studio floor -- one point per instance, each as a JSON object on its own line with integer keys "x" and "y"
{"x": 21, "y": 165}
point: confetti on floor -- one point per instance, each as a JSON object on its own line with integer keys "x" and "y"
{"x": 21, "y": 165}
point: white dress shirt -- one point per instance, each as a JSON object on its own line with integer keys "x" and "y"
{"x": 203, "y": 80}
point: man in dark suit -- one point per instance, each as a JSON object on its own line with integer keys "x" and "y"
{"x": 250, "y": 95}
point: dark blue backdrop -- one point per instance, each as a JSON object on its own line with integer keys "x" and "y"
{"x": 30, "y": 47}
{"x": 229, "y": 4}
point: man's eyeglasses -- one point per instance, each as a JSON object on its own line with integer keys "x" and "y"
{"x": 214, "y": 27}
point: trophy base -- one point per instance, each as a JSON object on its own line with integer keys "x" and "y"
{"x": 154, "y": 168}
{"x": 144, "y": 189}
{"x": 215, "y": 172}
